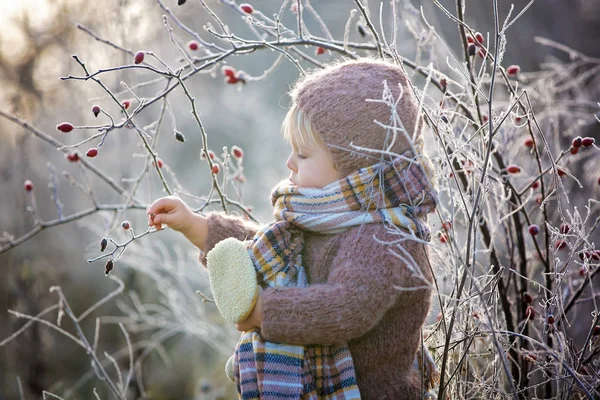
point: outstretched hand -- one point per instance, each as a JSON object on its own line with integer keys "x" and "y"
{"x": 171, "y": 211}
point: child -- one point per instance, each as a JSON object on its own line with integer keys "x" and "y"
{"x": 364, "y": 221}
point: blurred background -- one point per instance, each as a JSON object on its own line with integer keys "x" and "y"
{"x": 189, "y": 342}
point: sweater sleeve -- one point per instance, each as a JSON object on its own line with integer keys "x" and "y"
{"x": 222, "y": 226}
{"x": 362, "y": 286}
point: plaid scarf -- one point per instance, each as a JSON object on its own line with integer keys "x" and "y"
{"x": 398, "y": 193}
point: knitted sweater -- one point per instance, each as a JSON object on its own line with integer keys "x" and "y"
{"x": 351, "y": 298}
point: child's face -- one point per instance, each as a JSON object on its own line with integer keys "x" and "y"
{"x": 312, "y": 166}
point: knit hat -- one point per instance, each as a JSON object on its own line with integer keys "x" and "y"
{"x": 333, "y": 100}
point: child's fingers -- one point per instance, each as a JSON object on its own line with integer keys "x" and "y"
{"x": 161, "y": 205}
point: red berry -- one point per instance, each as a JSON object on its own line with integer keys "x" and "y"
{"x": 470, "y": 39}
{"x": 574, "y": 150}
{"x": 513, "y": 70}
{"x": 561, "y": 172}
{"x": 125, "y": 225}
{"x": 91, "y": 153}
{"x": 519, "y": 119}
{"x": 527, "y": 298}
{"x": 482, "y": 53}
{"x": 228, "y": 71}
{"x": 193, "y": 45}
{"x": 596, "y": 330}
{"x": 320, "y": 50}
{"x": 139, "y": 57}
{"x": 595, "y": 255}
{"x": 582, "y": 271}
{"x": 550, "y": 319}
{"x": 126, "y": 104}
{"x": 159, "y": 162}
{"x": 73, "y": 157}
{"x": 215, "y": 169}
{"x": 447, "y": 225}
{"x": 247, "y": 8}
{"x": 65, "y": 127}
{"x": 564, "y": 228}
{"x": 513, "y": 169}
{"x": 530, "y": 312}
{"x": 231, "y": 80}
{"x": 28, "y": 185}
{"x": 443, "y": 238}
{"x": 535, "y": 185}
{"x": 96, "y": 110}
{"x": 534, "y": 230}
{"x": 577, "y": 142}
{"x": 560, "y": 244}
{"x": 479, "y": 37}
{"x": 484, "y": 118}
{"x": 599, "y": 180}
{"x": 588, "y": 141}
{"x": 529, "y": 142}
{"x": 211, "y": 154}
{"x": 237, "y": 152}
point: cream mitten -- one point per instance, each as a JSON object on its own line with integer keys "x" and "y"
{"x": 232, "y": 279}
{"x": 229, "y": 369}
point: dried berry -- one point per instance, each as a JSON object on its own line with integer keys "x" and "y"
{"x": 91, "y": 153}
{"x": 72, "y": 157}
{"x": 561, "y": 172}
{"x": 535, "y": 185}
{"x": 443, "y": 84}
{"x": 596, "y": 330}
{"x": 513, "y": 169}
{"x": 588, "y": 141}
{"x": 560, "y": 244}
{"x": 181, "y": 2}
{"x": 247, "y": 8}
{"x": 444, "y": 119}
{"x": 96, "y": 110}
{"x": 470, "y": 39}
{"x": 599, "y": 180}
{"x": 550, "y": 319}
{"x": 527, "y": 298}
{"x": 320, "y": 50}
{"x": 125, "y": 225}
{"x": 362, "y": 31}
{"x": 103, "y": 244}
{"x": 65, "y": 127}
{"x": 529, "y": 142}
{"x": 109, "y": 267}
{"x": 159, "y": 162}
{"x": 237, "y": 152}
{"x": 513, "y": 70}
{"x": 179, "y": 136}
{"x": 126, "y": 104}
{"x": 530, "y": 312}
{"x": 28, "y": 185}
{"x": 215, "y": 169}
{"x": 193, "y": 45}
{"x": 534, "y": 229}
{"x": 577, "y": 142}
{"x": 472, "y": 49}
{"x": 565, "y": 228}
{"x": 139, "y": 57}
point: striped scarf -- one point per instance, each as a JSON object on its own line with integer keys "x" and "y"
{"x": 399, "y": 193}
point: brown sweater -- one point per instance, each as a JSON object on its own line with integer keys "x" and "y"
{"x": 351, "y": 298}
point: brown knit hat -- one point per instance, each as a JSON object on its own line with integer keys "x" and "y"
{"x": 333, "y": 101}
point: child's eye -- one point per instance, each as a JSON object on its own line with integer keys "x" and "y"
{"x": 301, "y": 156}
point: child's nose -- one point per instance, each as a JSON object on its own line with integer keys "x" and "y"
{"x": 290, "y": 163}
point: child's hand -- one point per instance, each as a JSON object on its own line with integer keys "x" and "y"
{"x": 171, "y": 211}
{"x": 174, "y": 212}
{"x": 255, "y": 318}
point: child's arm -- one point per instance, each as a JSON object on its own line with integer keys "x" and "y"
{"x": 361, "y": 288}
{"x": 203, "y": 231}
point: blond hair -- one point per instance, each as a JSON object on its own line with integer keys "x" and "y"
{"x": 297, "y": 130}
